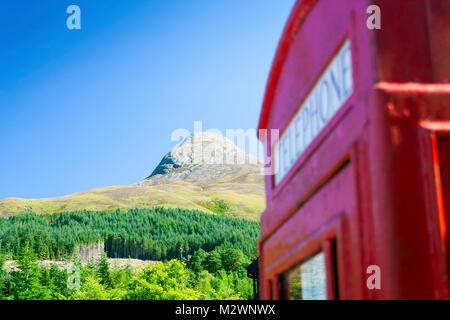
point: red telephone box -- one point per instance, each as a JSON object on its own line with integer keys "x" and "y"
{"x": 358, "y": 206}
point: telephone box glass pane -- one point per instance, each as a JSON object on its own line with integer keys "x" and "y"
{"x": 308, "y": 281}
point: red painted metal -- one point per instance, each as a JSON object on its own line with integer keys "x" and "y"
{"x": 377, "y": 177}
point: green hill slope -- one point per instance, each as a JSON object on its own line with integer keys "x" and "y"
{"x": 191, "y": 176}
{"x": 240, "y": 194}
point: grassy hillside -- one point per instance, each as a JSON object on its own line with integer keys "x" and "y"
{"x": 240, "y": 194}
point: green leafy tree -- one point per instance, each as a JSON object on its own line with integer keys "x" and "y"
{"x": 212, "y": 262}
{"x": 196, "y": 262}
{"x": 122, "y": 277}
{"x": 204, "y": 284}
{"x": 140, "y": 289}
{"x": 232, "y": 259}
{"x": 183, "y": 294}
{"x": 93, "y": 290}
{"x": 161, "y": 281}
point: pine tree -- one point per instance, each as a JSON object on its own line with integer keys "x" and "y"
{"x": 103, "y": 272}
{"x": 2, "y": 281}
{"x": 27, "y": 285}
{"x": 196, "y": 262}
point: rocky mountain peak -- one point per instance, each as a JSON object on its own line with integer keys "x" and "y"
{"x": 203, "y": 152}
{"x": 196, "y": 174}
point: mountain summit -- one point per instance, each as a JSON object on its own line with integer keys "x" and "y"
{"x": 206, "y": 171}
{"x": 204, "y": 154}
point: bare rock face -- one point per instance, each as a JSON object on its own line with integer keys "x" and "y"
{"x": 203, "y": 155}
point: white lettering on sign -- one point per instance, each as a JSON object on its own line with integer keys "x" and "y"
{"x": 325, "y": 99}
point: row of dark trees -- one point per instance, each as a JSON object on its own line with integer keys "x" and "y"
{"x": 155, "y": 234}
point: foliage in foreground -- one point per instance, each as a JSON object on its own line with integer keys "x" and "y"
{"x": 218, "y": 274}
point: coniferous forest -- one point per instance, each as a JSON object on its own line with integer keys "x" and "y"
{"x": 151, "y": 234}
{"x": 196, "y": 255}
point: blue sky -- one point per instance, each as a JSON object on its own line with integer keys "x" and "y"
{"x": 81, "y": 109}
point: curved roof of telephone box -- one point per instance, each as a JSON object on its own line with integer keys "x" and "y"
{"x": 298, "y": 15}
